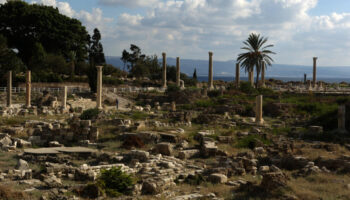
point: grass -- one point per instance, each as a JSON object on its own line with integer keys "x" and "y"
{"x": 8, "y": 160}
{"x": 321, "y": 186}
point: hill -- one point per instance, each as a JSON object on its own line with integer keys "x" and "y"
{"x": 227, "y": 68}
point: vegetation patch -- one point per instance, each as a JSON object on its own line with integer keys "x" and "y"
{"x": 114, "y": 182}
{"x": 89, "y": 114}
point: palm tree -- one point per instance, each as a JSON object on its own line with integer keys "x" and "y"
{"x": 256, "y": 56}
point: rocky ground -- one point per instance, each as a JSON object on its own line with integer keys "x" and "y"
{"x": 179, "y": 145}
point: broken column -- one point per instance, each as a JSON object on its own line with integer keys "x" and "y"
{"x": 210, "y": 77}
{"x": 64, "y": 101}
{"x": 341, "y": 118}
{"x": 258, "y": 111}
{"x": 9, "y": 89}
{"x": 263, "y": 75}
{"x": 178, "y": 72}
{"x": 237, "y": 74}
{"x": 164, "y": 70}
{"x": 314, "y": 73}
{"x": 310, "y": 86}
{"x": 28, "y": 88}
{"x": 99, "y": 87}
{"x": 173, "y": 106}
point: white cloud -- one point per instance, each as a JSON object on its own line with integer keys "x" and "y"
{"x": 91, "y": 20}
{"x": 2, "y": 1}
{"x": 191, "y": 28}
{"x": 130, "y": 3}
{"x": 63, "y": 7}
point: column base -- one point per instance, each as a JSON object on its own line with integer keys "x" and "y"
{"x": 261, "y": 122}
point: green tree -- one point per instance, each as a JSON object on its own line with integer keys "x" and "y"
{"x": 72, "y": 60}
{"x": 195, "y": 74}
{"x": 133, "y": 58}
{"x": 257, "y": 54}
{"x": 96, "y": 57}
{"x": 37, "y": 58}
{"x": 8, "y": 61}
{"x": 27, "y": 25}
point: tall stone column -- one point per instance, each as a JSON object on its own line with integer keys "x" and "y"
{"x": 164, "y": 85}
{"x": 64, "y": 100}
{"x": 305, "y": 77}
{"x": 258, "y": 111}
{"x": 9, "y": 89}
{"x": 178, "y": 72}
{"x": 210, "y": 77}
{"x": 237, "y": 75}
{"x": 341, "y": 118}
{"x": 314, "y": 73}
{"x": 99, "y": 87}
{"x": 263, "y": 75}
{"x": 28, "y": 88}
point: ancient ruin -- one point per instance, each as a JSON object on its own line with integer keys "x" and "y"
{"x": 210, "y": 74}
{"x": 164, "y": 83}
{"x": 99, "y": 87}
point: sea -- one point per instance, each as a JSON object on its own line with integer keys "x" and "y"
{"x": 284, "y": 79}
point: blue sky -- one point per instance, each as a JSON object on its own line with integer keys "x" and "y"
{"x": 299, "y": 29}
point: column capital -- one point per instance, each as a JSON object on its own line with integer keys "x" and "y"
{"x": 315, "y": 58}
{"x": 164, "y": 54}
{"x": 99, "y": 67}
{"x": 210, "y": 53}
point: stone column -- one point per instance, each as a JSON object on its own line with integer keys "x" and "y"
{"x": 64, "y": 100}
{"x": 305, "y": 77}
{"x": 263, "y": 75}
{"x": 173, "y": 106}
{"x": 237, "y": 75}
{"x": 99, "y": 87}
{"x": 210, "y": 77}
{"x": 178, "y": 72}
{"x": 164, "y": 85}
{"x": 258, "y": 111}
{"x": 341, "y": 118}
{"x": 9, "y": 89}
{"x": 310, "y": 86}
{"x": 314, "y": 73}
{"x": 28, "y": 88}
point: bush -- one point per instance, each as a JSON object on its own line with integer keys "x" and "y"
{"x": 172, "y": 88}
{"x": 252, "y": 141}
{"x": 114, "y": 182}
{"x": 205, "y": 103}
{"x": 112, "y": 81}
{"x": 89, "y": 114}
{"x": 247, "y": 88}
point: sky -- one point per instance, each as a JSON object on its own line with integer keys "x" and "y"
{"x": 189, "y": 29}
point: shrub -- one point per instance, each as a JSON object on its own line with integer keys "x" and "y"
{"x": 214, "y": 93}
{"x": 204, "y": 103}
{"x": 172, "y": 88}
{"x": 115, "y": 182}
{"x": 252, "y": 141}
{"x": 89, "y": 114}
{"x": 112, "y": 81}
{"x": 247, "y": 88}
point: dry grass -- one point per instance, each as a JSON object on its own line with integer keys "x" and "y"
{"x": 321, "y": 186}
{"x": 8, "y": 160}
{"x": 313, "y": 153}
{"x": 7, "y": 193}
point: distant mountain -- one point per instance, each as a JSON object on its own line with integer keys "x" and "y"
{"x": 227, "y": 68}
